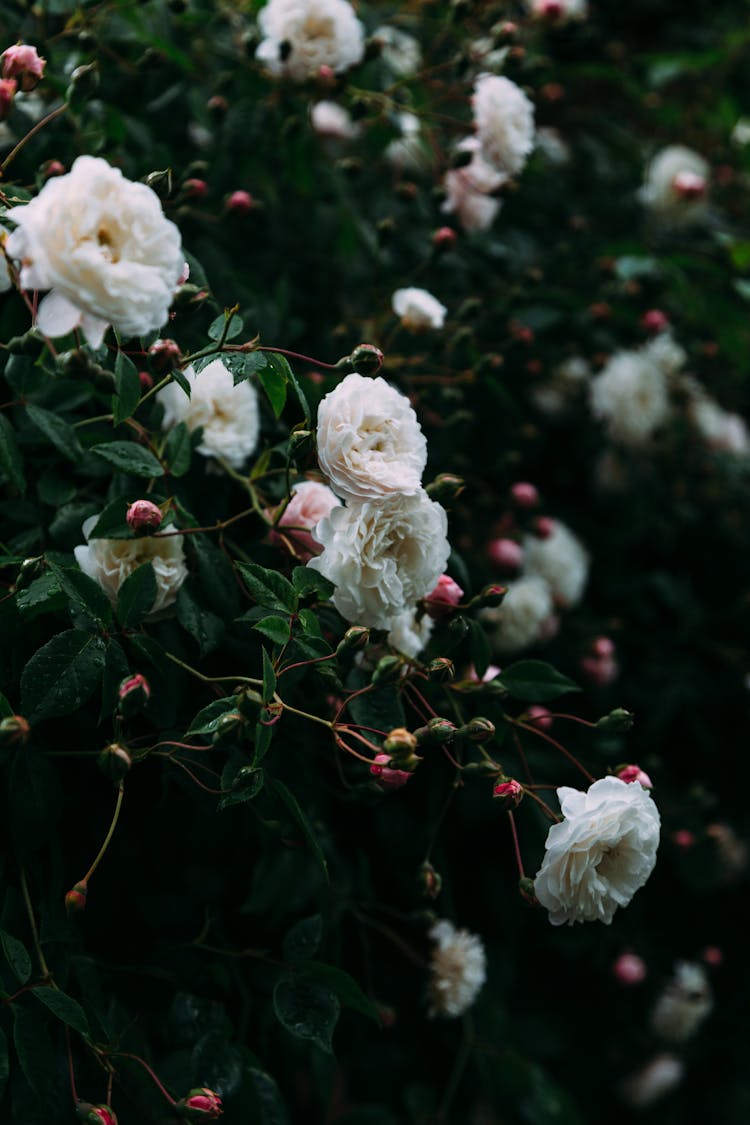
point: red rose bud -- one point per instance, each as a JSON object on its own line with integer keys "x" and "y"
{"x": 367, "y": 359}
{"x": 165, "y": 354}
{"x": 386, "y": 776}
{"x": 23, "y": 63}
{"x": 544, "y": 526}
{"x": 477, "y": 730}
{"x": 145, "y": 380}
{"x": 509, "y": 791}
{"x": 655, "y": 321}
{"x": 14, "y": 731}
{"x": 629, "y": 969}
{"x": 525, "y": 495}
{"x": 603, "y": 647}
{"x": 440, "y": 669}
{"x": 444, "y": 238}
{"x": 75, "y": 899}
{"x": 634, "y": 773}
{"x": 713, "y": 956}
{"x": 683, "y": 838}
{"x": 96, "y": 1114}
{"x": 240, "y": 203}
{"x": 444, "y": 598}
{"x": 133, "y": 694}
{"x": 551, "y": 10}
{"x": 8, "y": 87}
{"x": 53, "y": 168}
{"x": 430, "y": 882}
{"x": 195, "y": 189}
{"x": 200, "y": 1105}
{"x": 539, "y": 717}
{"x": 115, "y": 761}
{"x": 505, "y": 554}
{"x": 143, "y": 516}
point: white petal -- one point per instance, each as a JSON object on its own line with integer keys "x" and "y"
{"x": 56, "y": 315}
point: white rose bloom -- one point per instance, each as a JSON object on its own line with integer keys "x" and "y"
{"x": 110, "y": 561}
{"x": 561, "y": 560}
{"x": 316, "y": 33}
{"x": 408, "y": 152}
{"x": 631, "y": 397}
{"x": 740, "y": 135}
{"x": 370, "y": 443}
{"x": 5, "y": 279}
{"x": 552, "y": 146}
{"x": 600, "y": 854}
{"x": 504, "y": 120}
{"x": 383, "y": 556}
{"x": 103, "y": 247}
{"x": 229, "y": 415}
{"x": 458, "y": 970}
{"x": 519, "y": 621}
{"x": 469, "y": 189}
{"x": 684, "y": 1003}
{"x": 676, "y": 185}
{"x": 418, "y": 309}
{"x": 666, "y": 353}
{"x": 653, "y": 1081}
{"x": 557, "y": 10}
{"x": 721, "y": 431}
{"x": 555, "y": 396}
{"x": 408, "y": 635}
{"x": 330, "y": 119}
{"x": 399, "y": 51}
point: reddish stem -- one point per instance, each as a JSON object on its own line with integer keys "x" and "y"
{"x": 516, "y": 846}
{"x": 558, "y": 746}
{"x": 71, "y": 1072}
{"x": 147, "y": 1068}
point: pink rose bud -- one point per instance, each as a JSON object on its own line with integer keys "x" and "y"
{"x": 689, "y": 185}
{"x": 506, "y": 554}
{"x": 165, "y": 354}
{"x": 603, "y": 646}
{"x": 23, "y": 62}
{"x": 539, "y": 717}
{"x": 491, "y": 671}
{"x": 683, "y": 838}
{"x": 133, "y": 695}
{"x": 8, "y": 88}
{"x": 367, "y": 359}
{"x": 629, "y": 969}
{"x": 635, "y": 773}
{"x": 195, "y": 189}
{"x": 96, "y": 1114}
{"x": 444, "y": 238}
{"x": 75, "y": 899}
{"x": 544, "y": 526}
{"x": 655, "y": 321}
{"x": 200, "y": 1105}
{"x": 240, "y": 203}
{"x": 388, "y": 778}
{"x": 217, "y": 104}
{"x": 713, "y": 956}
{"x": 525, "y": 495}
{"x": 14, "y": 730}
{"x": 53, "y": 168}
{"x": 311, "y": 501}
{"x": 444, "y": 598}
{"x": 601, "y": 671}
{"x": 143, "y": 516}
{"x": 551, "y": 10}
{"x": 430, "y": 881}
{"x": 507, "y": 29}
{"x": 509, "y": 791}
{"x": 326, "y": 73}
{"x": 146, "y": 380}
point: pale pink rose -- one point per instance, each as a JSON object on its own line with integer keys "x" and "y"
{"x": 444, "y": 598}
{"x": 310, "y": 502}
{"x": 23, "y": 63}
{"x": 632, "y": 774}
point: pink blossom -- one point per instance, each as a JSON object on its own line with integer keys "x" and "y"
{"x": 8, "y": 87}
{"x": 539, "y": 716}
{"x": 635, "y": 773}
{"x": 655, "y": 321}
{"x": 310, "y": 502}
{"x": 24, "y": 63}
{"x": 683, "y": 838}
{"x": 388, "y": 778}
{"x": 240, "y": 203}
{"x": 510, "y": 791}
{"x": 525, "y": 495}
{"x": 143, "y": 515}
{"x": 506, "y": 554}
{"x": 629, "y": 969}
{"x": 602, "y": 671}
{"x": 444, "y": 598}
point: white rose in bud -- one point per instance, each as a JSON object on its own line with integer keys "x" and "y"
{"x": 228, "y": 414}
{"x": 418, "y": 309}
{"x": 110, "y": 561}
{"x": 561, "y": 560}
{"x": 504, "y": 121}
{"x": 301, "y": 36}
{"x": 382, "y": 556}
{"x": 600, "y": 854}
{"x": 370, "y": 443}
{"x": 103, "y": 247}
{"x": 676, "y": 185}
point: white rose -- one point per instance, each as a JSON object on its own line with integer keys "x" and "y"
{"x": 229, "y": 415}
{"x": 631, "y": 397}
{"x": 519, "y": 622}
{"x": 383, "y": 556}
{"x": 110, "y": 561}
{"x": 676, "y": 185}
{"x": 408, "y": 153}
{"x": 469, "y": 189}
{"x": 408, "y": 635}
{"x": 418, "y": 309}
{"x": 684, "y": 1003}
{"x": 310, "y": 502}
{"x": 330, "y": 119}
{"x": 399, "y": 51}
{"x": 504, "y": 120}
{"x": 458, "y": 970}
{"x": 103, "y": 247}
{"x": 653, "y": 1081}
{"x": 316, "y": 33}
{"x": 721, "y": 431}
{"x": 600, "y": 854}
{"x": 666, "y": 353}
{"x": 561, "y": 560}
{"x": 370, "y": 443}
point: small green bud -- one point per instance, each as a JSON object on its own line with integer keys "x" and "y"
{"x": 387, "y": 670}
{"x": 84, "y": 81}
{"x": 477, "y": 730}
{"x": 441, "y": 731}
{"x": 248, "y": 703}
{"x": 160, "y": 182}
{"x": 29, "y": 570}
{"x": 445, "y": 488}
{"x": 29, "y": 344}
{"x": 245, "y": 777}
{"x": 14, "y": 731}
{"x": 526, "y": 887}
{"x": 353, "y": 640}
{"x": 616, "y": 722}
{"x": 429, "y": 880}
{"x": 440, "y": 669}
{"x": 490, "y": 597}
{"x": 115, "y": 761}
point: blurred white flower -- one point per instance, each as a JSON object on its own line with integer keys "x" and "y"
{"x": 665, "y": 352}
{"x": 103, "y": 247}
{"x": 408, "y": 153}
{"x": 469, "y": 189}
{"x": 370, "y": 443}
{"x": 684, "y": 1004}
{"x": 653, "y": 1081}
{"x": 504, "y": 120}
{"x": 458, "y": 970}
{"x": 383, "y": 556}
{"x": 301, "y": 36}
{"x": 557, "y": 11}
{"x": 554, "y": 396}
{"x": 520, "y": 620}
{"x": 552, "y": 146}
{"x": 330, "y": 119}
{"x": 741, "y": 132}
{"x": 229, "y": 415}
{"x": 561, "y": 560}
{"x": 600, "y": 854}
{"x": 722, "y": 431}
{"x": 400, "y": 51}
{"x": 630, "y": 396}
{"x": 409, "y": 635}
{"x": 110, "y": 561}
{"x": 676, "y": 185}
{"x": 418, "y": 309}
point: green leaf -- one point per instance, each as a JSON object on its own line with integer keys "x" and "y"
{"x": 112, "y": 523}
{"x": 177, "y": 450}
{"x": 58, "y": 432}
{"x": 344, "y": 986}
{"x": 268, "y": 588}
{"x": 16, "y": 956}
{"x": 281, "y": 364}
{"x": 136, "y": 596}
{"x": 534, "y": 681}
{"x": 303, "y": 939}
{"x": 11, "y": 464}
{"x": 275, "y": 628}
{"x": 43, "y": 595}
{"x": 307, "y": 582}
{"x": 84, "y": 592}
{"x": 4, "y": 1063}
{"x": 269, "y": 678}
{"x": 182, "y": 381}
{"x": 129, "y": 458}
{"x": 301, "y": 818}
{"x": 263, "y": 739}
{"x": 207, "y": 719}
{"x": 61, "y": 676}
{"x": 252, "y": 781}
{"x": 216, "y": 327}
{"x": 64, "y": 1007}
{"x": 480, "y": 647}
{"x": 36, "y": 1055}
{"x": 306, "y": 1009}
{"x": 271, "y": 1109}
{"x": 128, "y": 386}
{"x": 204, "y": 627}
{"x": 273, "y": 379}
{"x": 5, "y": 708}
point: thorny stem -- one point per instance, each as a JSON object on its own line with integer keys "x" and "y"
{"x": 110, "y": 834}
{"x": 32, "y": 923}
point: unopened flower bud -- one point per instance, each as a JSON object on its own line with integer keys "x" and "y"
{"x": 430, "y": 882}
{"x": 689, "y": 185}
{"x": 195, "y": 189}
{"x": 248, "y": 702}
{"x": 603, "y": 646}
{"x": 229, "y": 728}
{"x": 441, "y": 731}
{"x": 387, "y": 669}
{"x": 165, "y": 354}
{"x": 367, "y": 359}
{"x": 300, "y": 444}
{"x": 539, "y": 717}
{"x": 133, "y": 694}
{"x": 354, "y": 639}
{"x": 441, "y": 601}
{"x": 629, "y": 969}
{"x": 525, "y": 495}
{"x": 115, "y": 761}
{"x": 632, "y": 774}
{"x": 655, "y": 321}
{"x": 445, "y": 488}
{"x": 490, "y": 596}
{"x": 509, "y": 791}
{"x": 713, "y": 956}
{"x": 145, "y": 380}
{"x": 143, "y": 516}
{"x": 387, "y": 777}
{"x": 444, "y": 238}
{"x": 160, "y": 182}
{"x": 478, "y": 729}
{"x": 550, "y": 10}
{"x": 14, "y": 731}
{"x": 400, "y": 742}
{"x": 240, "y": 203}
{"x": 505, "y": 554}
{"x": 683, "y": 838}
{"x": 200, "y": 1104}
{"x": 8, "y": 88}
{"x": 441, "y": 669}
{"x": 526, "y": 888}
{"x": 23, "y": 63}
{"x": 616, "y": 722}
{"x": 75, "y": 899}
{"x": 217, "y": 105}
{"x": 544, "y": 527}
{"x": 95, "y": 1114}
